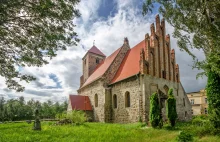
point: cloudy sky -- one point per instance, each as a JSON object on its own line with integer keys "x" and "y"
{"x": 107, "y": 22}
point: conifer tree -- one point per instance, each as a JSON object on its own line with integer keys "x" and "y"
{"x": 171, "y": 108}
{"x": 155, "y": 117}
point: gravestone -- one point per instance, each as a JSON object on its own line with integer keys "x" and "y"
{"x": 37, "y": 125}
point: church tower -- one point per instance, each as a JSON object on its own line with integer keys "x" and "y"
{"x": 92, "y": 58}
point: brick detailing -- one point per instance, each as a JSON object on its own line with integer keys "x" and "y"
{"x": 177, "y": 73}
{"x": 110, "y": 73}
{"x": 173, "y": 63}
{"x": 161, "y": 61}
{"x": 143, "y": 63}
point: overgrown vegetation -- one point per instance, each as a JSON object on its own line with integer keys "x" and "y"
{"x": 96, "y": 132}
{"x": 184, "y": 137}
{"x": 155, "y": 117}
{"x": 19, "y": 109}
{"x": 171, "y": 108}
{"x": 213, "y": 95}
{"x": 75, "y": 117}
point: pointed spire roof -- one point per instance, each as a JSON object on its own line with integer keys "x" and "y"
{"x": 95, "y": 50}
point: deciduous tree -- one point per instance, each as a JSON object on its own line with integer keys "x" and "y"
{"x": 31, "y": 31}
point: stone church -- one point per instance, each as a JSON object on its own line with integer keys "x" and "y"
{"x": 117, "y": 88}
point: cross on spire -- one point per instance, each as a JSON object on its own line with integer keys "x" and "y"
{"x": 93, "y": 42}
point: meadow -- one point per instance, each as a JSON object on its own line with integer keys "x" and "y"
{"x": 98, "y": 132}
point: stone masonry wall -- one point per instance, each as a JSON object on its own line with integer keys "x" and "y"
{"x": 92, "y": 89}
{"x": 153, "y": 83}
{"x": 123, "y": 114}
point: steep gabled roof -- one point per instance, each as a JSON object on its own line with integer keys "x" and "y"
{"x": 95, "y": 50}
{"x": 101, "y": 68}
{"x": 80, "y": 102}
{"x": 130, "y": 64}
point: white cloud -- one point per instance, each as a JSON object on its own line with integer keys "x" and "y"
{"x": 108, "y": 34}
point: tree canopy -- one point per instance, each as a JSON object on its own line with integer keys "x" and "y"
{"x": 31, "y": 31}
{"x": 197, "y": 25}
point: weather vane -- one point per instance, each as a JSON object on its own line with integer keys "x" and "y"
{"x": 93, "y": 42}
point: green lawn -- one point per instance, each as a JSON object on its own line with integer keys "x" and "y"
{"x": 93, "y": 132}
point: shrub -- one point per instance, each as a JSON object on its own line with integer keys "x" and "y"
{"x": 184, "y": 137}
{"x": 76, "y": 116}
{"x": 61, "y": 116}
{"x": 155, "y": 118}
{"x": 171, "y": 108}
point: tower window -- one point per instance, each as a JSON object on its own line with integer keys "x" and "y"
{"x": 85, "y": 61}
{"x": 127, "y": 99}
{"x": 97, "y": 60}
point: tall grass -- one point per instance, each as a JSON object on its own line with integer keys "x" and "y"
{"x": 92, "y": 132}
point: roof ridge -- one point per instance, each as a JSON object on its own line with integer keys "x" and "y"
{"x": 100, "y": 65}
{"x": 95, "y": 50}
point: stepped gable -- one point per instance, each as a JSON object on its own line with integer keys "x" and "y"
{"x": 130, "y": 65}
{"x": 80, "y": 102}
{"x": 95, "y": 50}
{"x": 101, "y": 68}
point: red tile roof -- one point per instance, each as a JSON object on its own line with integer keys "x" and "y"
{"x": 95, "y": 50}
{"x": 101, "y": 68}
{"x": 130, "y": 64}
{"x": 80, "y": 102}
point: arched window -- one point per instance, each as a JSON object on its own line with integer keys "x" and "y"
{"x": 127, "y": 99}
{"x": 97, "y": 60}
{"x": 96, "y": 100}
{"x": 166, "y": 88}
{"x": 115, "y": 101}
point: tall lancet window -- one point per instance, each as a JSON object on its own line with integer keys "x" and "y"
{"x": 127, "y": 99}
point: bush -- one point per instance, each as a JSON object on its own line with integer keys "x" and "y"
{"x": 155, "y": 118}
{"x": 184, "y": 137}
{"x": 76, "y": 116}
{"x": 61, "y": 116}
